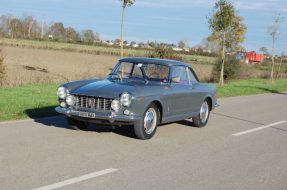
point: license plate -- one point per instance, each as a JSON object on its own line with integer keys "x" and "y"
{"x": 87, "y": 114}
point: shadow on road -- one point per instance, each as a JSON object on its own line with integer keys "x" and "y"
{"x": 60, "y": 121}
{"x": 52, "y": 119}
{"x": 41, "y": 112}
{"x": 264, "y": 90}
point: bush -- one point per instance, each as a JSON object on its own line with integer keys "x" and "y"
{"x": 232, "y": 68}
{"x": 2, "y": 68}
{"x": 164, "y": 52}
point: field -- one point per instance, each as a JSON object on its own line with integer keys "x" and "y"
{"x": 30, "y": 66}
{"x": 96, "y": 50}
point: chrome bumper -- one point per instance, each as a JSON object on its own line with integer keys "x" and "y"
{"x": 111, "y": 117}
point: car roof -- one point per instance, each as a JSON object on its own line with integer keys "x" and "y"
{"x": 153, "y": 60}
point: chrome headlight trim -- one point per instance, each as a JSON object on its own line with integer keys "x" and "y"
{"x": 126, "y": 99}
{"x": 70, "y": 100}
{"x": 62, "y": 92}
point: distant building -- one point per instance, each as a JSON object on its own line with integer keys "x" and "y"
{"x": 177, "y": 49}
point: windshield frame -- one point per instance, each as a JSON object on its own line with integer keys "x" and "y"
{"x": 145, "y": 77}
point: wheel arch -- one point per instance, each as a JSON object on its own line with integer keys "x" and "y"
{"x": 209, "y": 101}
{"x": 159, "y": 106}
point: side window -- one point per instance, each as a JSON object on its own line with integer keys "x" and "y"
{"x": 192, "y": 78}
{"x": 125, "y": 69}
{"x": 137, "y": 72}
{"x": 179, "y": 75}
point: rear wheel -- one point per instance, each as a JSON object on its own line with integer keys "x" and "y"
{"x": 146, "y": 127}
{"x": 202, "y": 118}
{"x": 76, "y": 124}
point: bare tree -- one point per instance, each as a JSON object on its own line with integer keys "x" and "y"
{"x": 278, "y": 74}
{"x": 125, "y": 3}
{"x": 264, "y": 50}
{"x": 15, "y": 25}
{"x": 183, "y": 44}
{"x": 273, "y": 31}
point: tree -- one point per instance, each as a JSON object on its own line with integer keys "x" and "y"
{"x": 71, "y": 34}
{"x": 264, "y": 50}
{"x": 2, "y": 68}
{"x": 273, "y": 31}
{"x": 58, "y": 30}
{"x": 210, "y": 45}
{"x": 278, "y": 74}
{"x": 221, "y": 23}
{"x": 28, "y": 23}
{"x": 15, "y": 25}
{"x": 125, "y": 3}
{"x": 89, "y": 36}
{"x": 183, "y": 44}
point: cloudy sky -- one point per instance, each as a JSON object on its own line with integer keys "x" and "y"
{"x": 160, "y": 20}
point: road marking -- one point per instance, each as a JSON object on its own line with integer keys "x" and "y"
{"x": 77, "y": 179}
{"x": 258, "y": 128}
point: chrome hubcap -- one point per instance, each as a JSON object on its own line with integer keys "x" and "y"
{"x": 204, "y": 111}
{"x": 150, "y": 120}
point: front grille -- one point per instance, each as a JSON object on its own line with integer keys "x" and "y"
{"x": 93, "y": 102}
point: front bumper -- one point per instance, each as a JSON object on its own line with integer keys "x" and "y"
{"x": 98, "y": 117}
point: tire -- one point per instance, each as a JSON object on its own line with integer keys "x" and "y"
{"x": 202, "y": 118}
{"x": 146, "y": 127}
{"x": 76, "y": 124}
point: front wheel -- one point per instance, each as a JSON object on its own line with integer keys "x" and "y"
{"x": 202, "y": 118}
{"x": 146, "y": 127}
{"x": 76, "y": 124}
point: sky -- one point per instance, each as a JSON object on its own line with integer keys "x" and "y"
{"x": 155, "y": 20}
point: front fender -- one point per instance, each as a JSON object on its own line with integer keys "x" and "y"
{"x": 140, "y": 104}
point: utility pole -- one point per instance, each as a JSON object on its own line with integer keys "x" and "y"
{"x": 42, "y": 30}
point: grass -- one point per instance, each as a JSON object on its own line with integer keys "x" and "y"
{"x": 34, "y": 101}
{"x": 251, "y": 86}
{"x": 28, "y": 101}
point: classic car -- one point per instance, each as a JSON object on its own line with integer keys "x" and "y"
{"x": 140, "y": 92}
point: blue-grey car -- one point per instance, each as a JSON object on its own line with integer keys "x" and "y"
{"x": 140, "y": 92}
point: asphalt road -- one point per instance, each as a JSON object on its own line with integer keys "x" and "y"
{"x": 46, "y": 154}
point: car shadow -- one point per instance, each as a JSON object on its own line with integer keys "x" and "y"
{"x": 52, "y": 119}
{"x": 266, "y": 90}
{"x": 47, "y": 111}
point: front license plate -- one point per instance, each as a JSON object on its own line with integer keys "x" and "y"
{"x": 87, "y": 114}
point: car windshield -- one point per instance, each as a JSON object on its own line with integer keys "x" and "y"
{"x": 150, "y": 71}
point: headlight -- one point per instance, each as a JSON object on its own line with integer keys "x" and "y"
{"x": 115, "y": 105}
{"x": 62, "y": 92}
{"x": 126, "y": 99}
{"x": 70, "y": 100}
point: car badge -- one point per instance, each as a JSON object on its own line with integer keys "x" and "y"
{"x": 91, "y": 102}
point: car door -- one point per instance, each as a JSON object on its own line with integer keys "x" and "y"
{"x": 195, "y": 94}
{"x": 178, "y": 93}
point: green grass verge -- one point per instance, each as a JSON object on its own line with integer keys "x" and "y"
{"x": 252, "y": 86}
{"x": 34, "y": 101}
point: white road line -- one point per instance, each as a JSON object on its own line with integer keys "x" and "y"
{"x": 77, "y": 179}
{"x": 259, "y": 128}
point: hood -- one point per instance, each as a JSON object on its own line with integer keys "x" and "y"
{"x": 108, "y": 88}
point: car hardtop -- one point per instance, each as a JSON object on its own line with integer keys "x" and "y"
{"x": 145, "y": 60}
